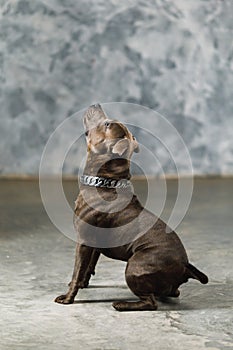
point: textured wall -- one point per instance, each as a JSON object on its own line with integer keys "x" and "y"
{"x": 58, "y": 56}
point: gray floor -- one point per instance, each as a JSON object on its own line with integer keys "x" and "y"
{"x": 36, "y": 262}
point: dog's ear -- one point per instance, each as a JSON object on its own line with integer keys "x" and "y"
{"x": 136, "y": 146}
{"x": 121, "y": 147}
{"x": 93, "y": 116}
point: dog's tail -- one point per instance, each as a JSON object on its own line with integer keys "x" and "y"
{"x": 193, "y": 272}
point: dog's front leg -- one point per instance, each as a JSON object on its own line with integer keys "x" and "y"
{"x": 82, "y": 261}
{"x": 91, "y": 268}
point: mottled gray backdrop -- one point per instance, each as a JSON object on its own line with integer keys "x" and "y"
{"x": 59, "y": 56}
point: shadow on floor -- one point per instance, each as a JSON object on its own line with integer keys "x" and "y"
{"x": 193, "y": 297}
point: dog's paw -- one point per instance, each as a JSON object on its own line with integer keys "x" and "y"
{"x": 118, "y": 305}
{"x": 64, "y": 299}
{"x": 140, "y": 305}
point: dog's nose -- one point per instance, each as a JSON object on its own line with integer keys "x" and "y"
{"x": 96, "y": 105}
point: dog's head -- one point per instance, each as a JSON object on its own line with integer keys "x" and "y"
{"x": 108, "y": 136}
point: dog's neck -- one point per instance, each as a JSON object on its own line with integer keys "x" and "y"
{"x": 103, "y": 165}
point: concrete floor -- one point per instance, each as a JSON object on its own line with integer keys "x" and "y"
{"x": 36, "y": 263}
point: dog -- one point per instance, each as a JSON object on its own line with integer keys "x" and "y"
{"x": 157, "y": 263}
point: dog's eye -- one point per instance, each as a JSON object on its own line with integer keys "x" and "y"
{"x": 86, "y": 133}
{"x": 107, "y": 124}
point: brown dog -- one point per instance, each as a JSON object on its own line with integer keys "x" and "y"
{"x": 110, "y": 220}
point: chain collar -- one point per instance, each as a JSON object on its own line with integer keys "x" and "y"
{"x": 96, "y": 181}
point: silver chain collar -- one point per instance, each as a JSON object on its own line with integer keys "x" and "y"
{"x": 96, "y": 181}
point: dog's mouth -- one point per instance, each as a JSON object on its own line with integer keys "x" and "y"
{"x": 114, "y": 130}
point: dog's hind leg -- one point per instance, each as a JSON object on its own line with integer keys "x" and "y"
{"x": 142, "y": 286}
